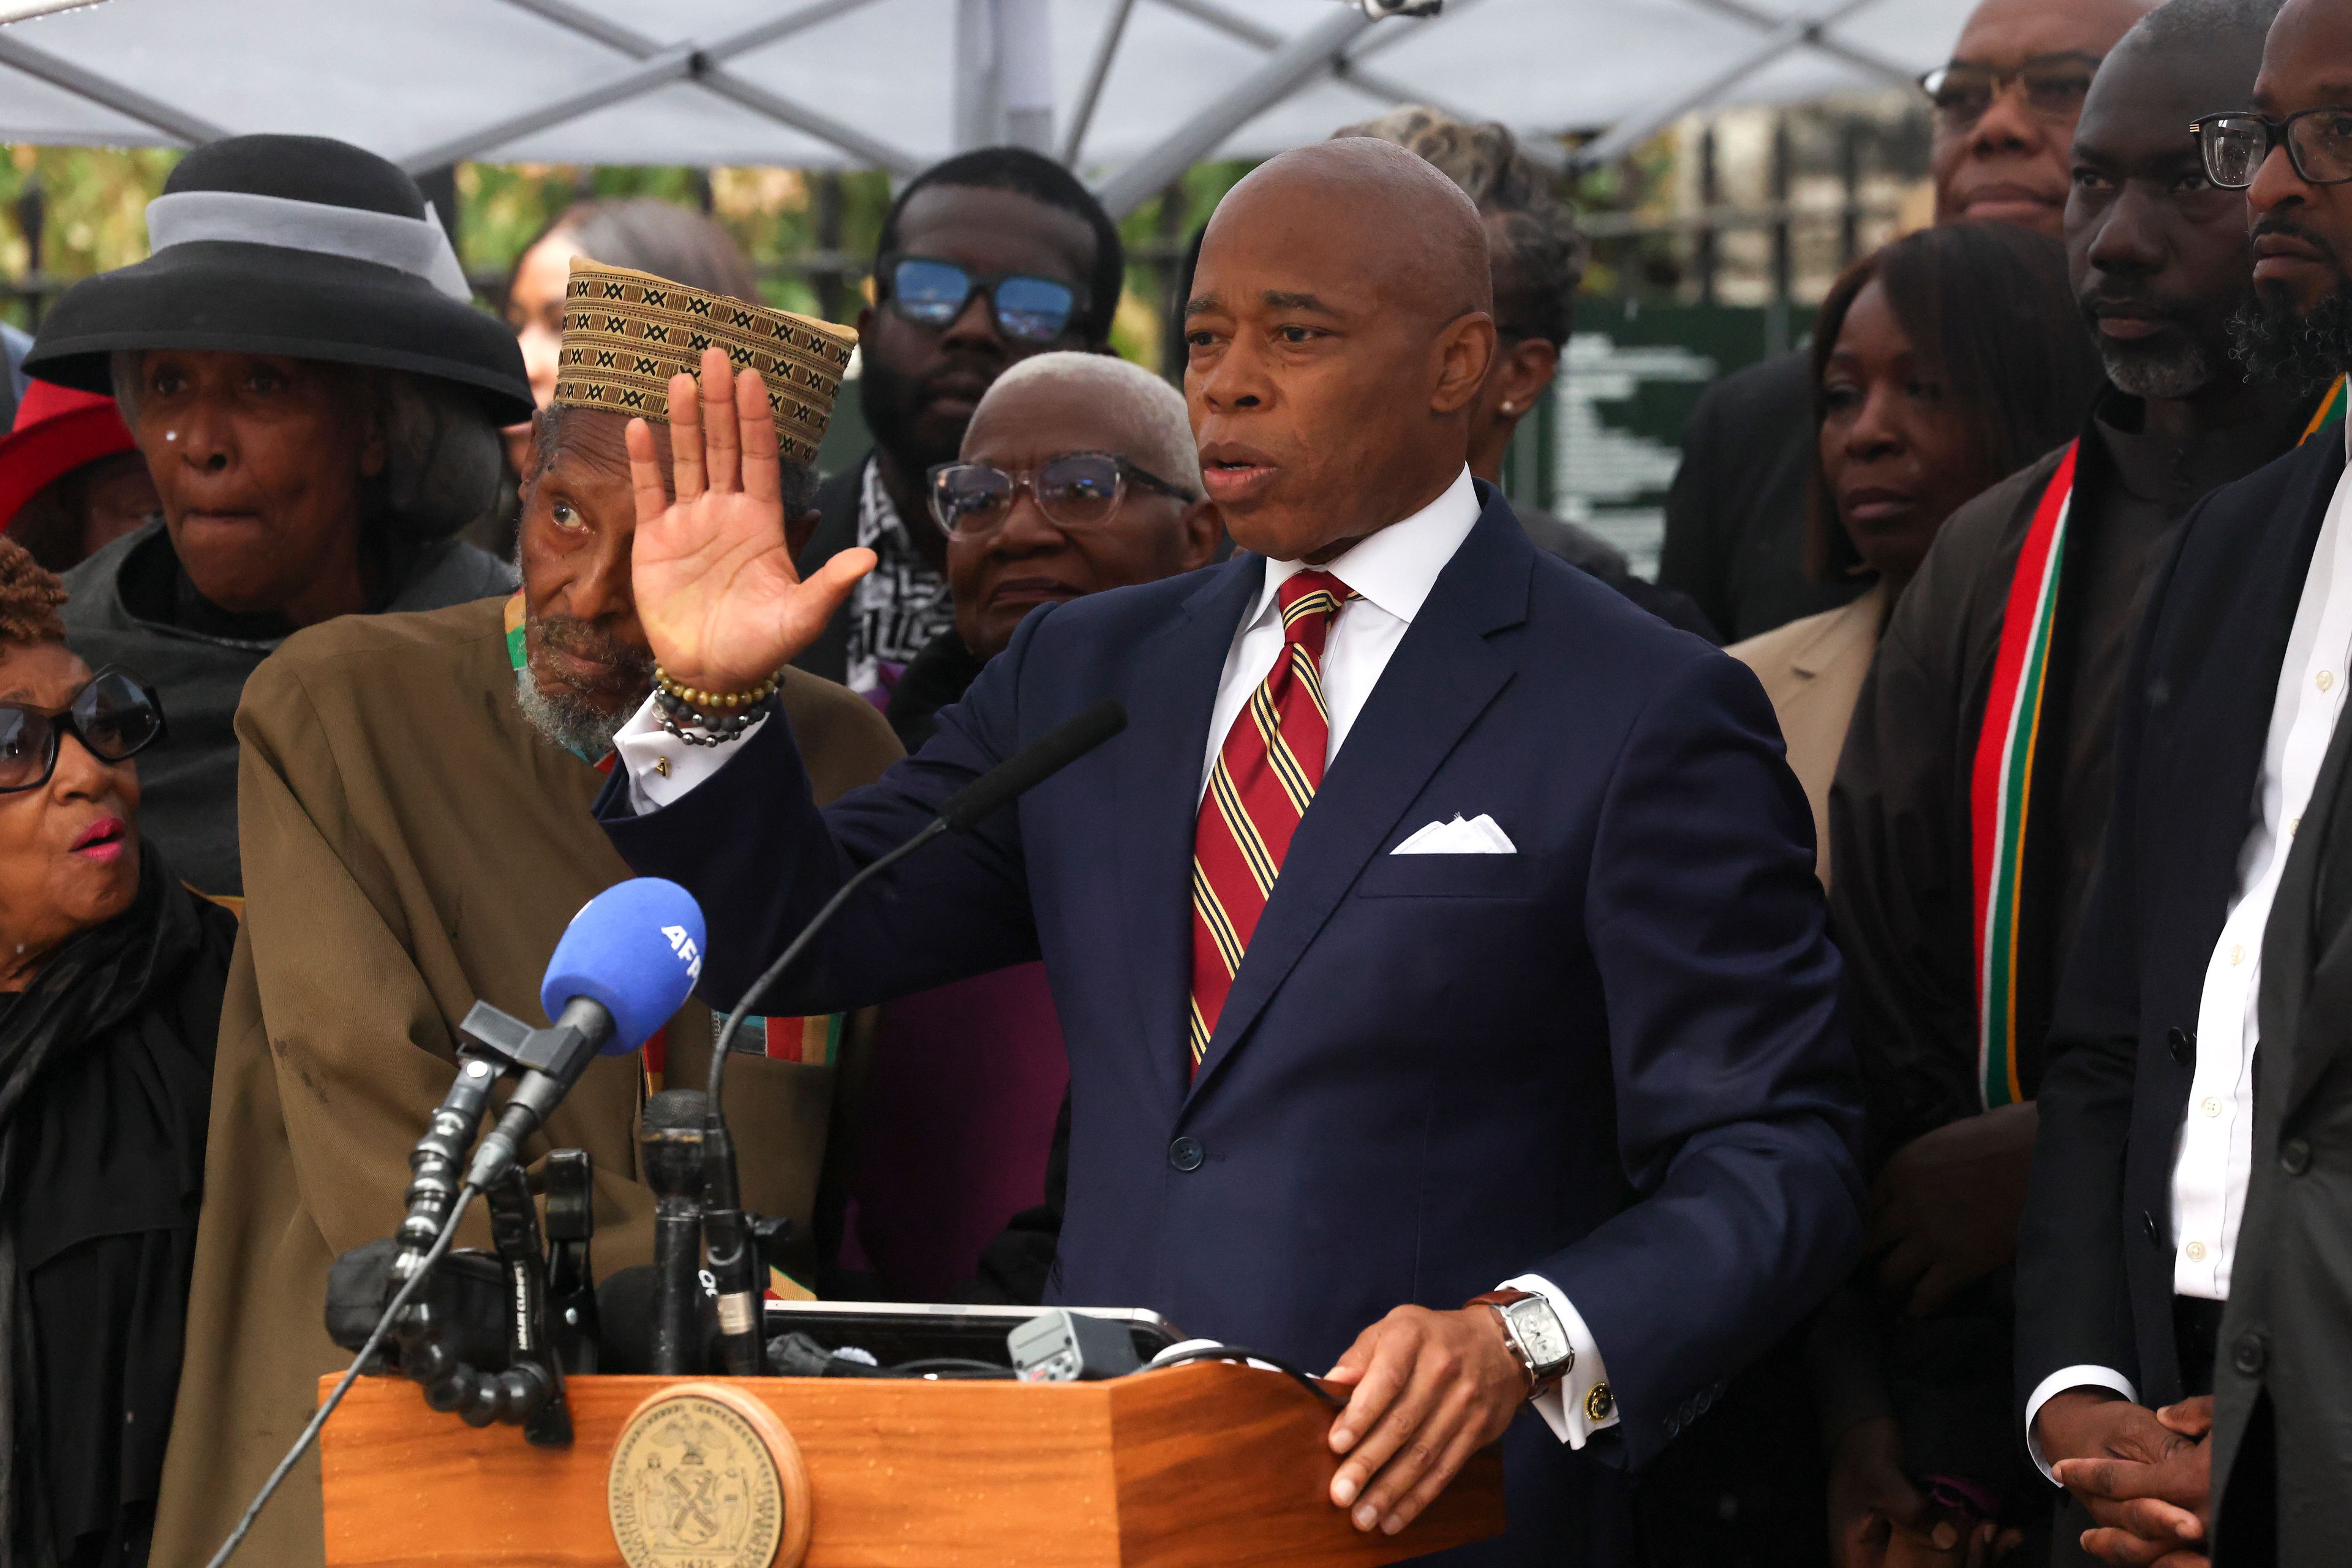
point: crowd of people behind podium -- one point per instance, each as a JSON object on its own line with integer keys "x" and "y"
{"x": 316, "y": 637}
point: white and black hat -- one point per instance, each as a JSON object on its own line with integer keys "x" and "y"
{"x": 298, "y": 245}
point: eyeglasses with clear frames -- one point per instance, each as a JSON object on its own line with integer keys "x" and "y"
{"x": 2054, "y": 86}
{"x": 1075, "y": 490}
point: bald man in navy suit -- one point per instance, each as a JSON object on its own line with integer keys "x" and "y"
{"x": 1439, "y": 951}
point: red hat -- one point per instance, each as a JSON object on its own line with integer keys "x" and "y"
{"x": 57, "y": 430}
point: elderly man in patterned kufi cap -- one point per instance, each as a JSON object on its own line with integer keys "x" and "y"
{"x": 416, "y": 794}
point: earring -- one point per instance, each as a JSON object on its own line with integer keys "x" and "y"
{"x": 1510, "y": 408}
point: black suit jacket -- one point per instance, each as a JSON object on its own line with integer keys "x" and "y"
{"x": 2095, "y": 1248}
{"x": 836, "y": 530}
{"x": 1736, "y": 515}
{"x": 2283, "y": 1387}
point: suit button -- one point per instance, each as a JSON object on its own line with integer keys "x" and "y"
{"x": 2249, "y": 1354}
{"x": 1186, "y": 1154}
{"x": 2147, "y": 1226}
{"x": 2296, "y": 1155}
{"x": 2182, "y": 1045}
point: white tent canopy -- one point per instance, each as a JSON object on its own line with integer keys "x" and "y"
{"x": 1130, "y": 90}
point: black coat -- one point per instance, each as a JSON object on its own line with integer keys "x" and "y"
{"x": 2094, "y": 1262}
{"x": 1735, "y": 514}
{"x": 2283, "y": 1382}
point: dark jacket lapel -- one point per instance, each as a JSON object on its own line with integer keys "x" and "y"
{"x": 2235, "y": 624}
{"x": 1443, "y": 675}
{"x": 1158, "y": 802}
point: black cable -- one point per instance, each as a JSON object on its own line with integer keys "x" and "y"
{"x": 1242, "y": 1353}
{"x": 758, "y": 988}
{"x": 466, "y": 1195}
{"x": 948, "y": 1366}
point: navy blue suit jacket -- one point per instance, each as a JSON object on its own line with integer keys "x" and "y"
{"x": 1613, "y": 1058}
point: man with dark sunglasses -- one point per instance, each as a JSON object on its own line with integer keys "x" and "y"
{"x": 2005, "y": 106}
{"x": 2187, "y": 1204}
{"x": 983, "y": 260}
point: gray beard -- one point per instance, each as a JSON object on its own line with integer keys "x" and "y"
{"x": 582, "y": 730}
{"x": 2177, "y": 373}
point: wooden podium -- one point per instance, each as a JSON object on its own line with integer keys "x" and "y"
{"x": 1207, "y": 1464}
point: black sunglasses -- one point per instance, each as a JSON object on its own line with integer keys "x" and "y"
{"x": 2235, "y": 146}
{"x": 933, "y": 293}
{"x": 1076, "y": 490}
{"x": 115, "y": 716}
{"x": 2054, "y": 85}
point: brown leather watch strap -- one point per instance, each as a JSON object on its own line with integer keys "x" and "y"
{"x": 1498, "y": 1297}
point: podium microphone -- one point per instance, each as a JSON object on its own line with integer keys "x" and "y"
{"x": 735, "y": 1263}
{"x": 671, "y": 1155}
{"x": 627, "y": 962}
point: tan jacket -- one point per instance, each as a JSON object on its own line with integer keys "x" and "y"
{"x": 410, "y": 845}
{"x": 1813, "y": 670}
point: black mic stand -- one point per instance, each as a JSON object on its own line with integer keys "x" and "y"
{"x": 530, "y": 1391}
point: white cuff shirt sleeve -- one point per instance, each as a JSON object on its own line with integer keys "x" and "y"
{"x": 2058, "y": 1383}
{"x": 661, "y": 767}
{"x": 1567, "y": 1410}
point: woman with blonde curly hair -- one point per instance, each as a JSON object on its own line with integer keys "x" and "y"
{"x": 111, "y": 982}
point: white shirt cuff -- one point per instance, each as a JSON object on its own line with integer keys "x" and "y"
{"x": 1565, "y": 1409}
{"x": 2058, "y": 1383}
{"x": 661, "y": 767}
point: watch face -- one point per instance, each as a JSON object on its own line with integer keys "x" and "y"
{"x": 1539, "y": 1330}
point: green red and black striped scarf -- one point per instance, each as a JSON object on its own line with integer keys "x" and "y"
{"x": 2002, "y": 777}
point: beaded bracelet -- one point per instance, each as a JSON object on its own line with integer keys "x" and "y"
{"x": 710, "y": 718}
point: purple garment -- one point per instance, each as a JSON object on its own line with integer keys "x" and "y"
{"x": 960, "y": 1109}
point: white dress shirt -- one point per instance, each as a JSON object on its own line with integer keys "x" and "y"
{"x": 2215, "y": 1153}
{"x": 1394, "y": 571}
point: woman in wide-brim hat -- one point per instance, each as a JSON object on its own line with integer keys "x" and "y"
{"x": 318, "y": 401}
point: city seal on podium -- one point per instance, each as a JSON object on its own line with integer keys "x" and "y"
{"x": 704, "y": 1476}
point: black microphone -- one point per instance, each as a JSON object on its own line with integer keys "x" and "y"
{"x": 1032, "y": 765}
{"x": 671, "y": 1153}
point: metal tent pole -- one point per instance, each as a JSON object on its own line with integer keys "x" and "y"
{"x": 188, "y": 129}
{"x": 1106, "y": 50}
{"x": 1794, "y": 33}
{"x": 659, "y": 64}
{"x": 1307, "y": 55}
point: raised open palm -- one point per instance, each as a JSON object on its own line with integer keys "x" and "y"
{"x": 715, "y": 585}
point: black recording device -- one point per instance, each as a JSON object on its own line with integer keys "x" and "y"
{"x": 569, "y": 1179}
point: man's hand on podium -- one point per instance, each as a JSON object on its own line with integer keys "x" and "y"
{"x": 1431, "y": 1389}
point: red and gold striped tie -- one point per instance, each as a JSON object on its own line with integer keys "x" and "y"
{"x": 1266, "y": 778}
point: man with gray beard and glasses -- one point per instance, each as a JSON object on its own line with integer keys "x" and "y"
{"x": 414, "y": 804}
{"x": 1972, "y": 796}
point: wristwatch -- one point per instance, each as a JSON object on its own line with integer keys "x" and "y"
{"x": 1536, "y": 1335}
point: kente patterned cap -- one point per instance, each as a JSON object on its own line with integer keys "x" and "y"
{"x": 626, "y": 333}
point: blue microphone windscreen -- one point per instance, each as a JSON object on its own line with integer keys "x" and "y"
{"x": 637, "y": 949}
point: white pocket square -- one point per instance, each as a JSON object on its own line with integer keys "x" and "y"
{"x": 1479, "y": 835}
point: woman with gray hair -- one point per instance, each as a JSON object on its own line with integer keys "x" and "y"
{"x": 318, "y": 401}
